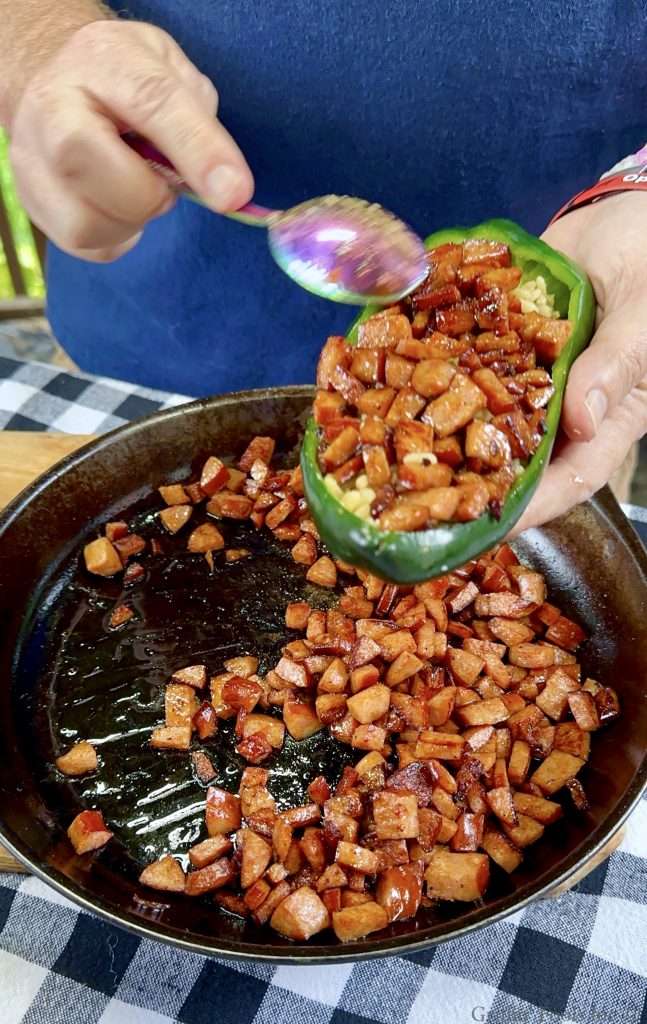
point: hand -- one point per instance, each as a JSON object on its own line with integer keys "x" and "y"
{"x": 605, "y": 407}
{"x": 81, "y": 184}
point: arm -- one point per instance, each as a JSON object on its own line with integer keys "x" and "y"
{"x": 74, "y": 77}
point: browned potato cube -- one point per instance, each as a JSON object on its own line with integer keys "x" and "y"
{"x": 80, "y": 758}
{"x": 525, "y": 832}
{"x": 556, "y": 771}
{"x": 501, "y": 850}
{"x": 175, "y": 737}
{"x": 501, "y": 803}
{"x": 180, "y": 705}
{"x": 456, "y": 407}
{"x": 399, "y": 891}
{"x": 192, "y": 675}
{"x": 333, "y": 877}
{"x": 101, "y": 557}
{"x": 174, "y": 494}
{"x": 165, "y": 874}
{"x": 301, "y": 719}
{"x": 570, "y": 738}
{"x": 404, "y": 666}
{"x": 222, "y": 872}
{"x": 88, "y": 832}
{"x": 440, "y": 745}
{"x": 368, "y": 737}
{"x": 272, "y": 729}
{"x": 465, "y": 667}
{"x": 519, "y": 762}
{"x": 457, "y": 876}
{"x": 175, "y": 517}
{"x": 383, "y": 332}
{"x": 544, "y": 811}
{"x": 532, "y": 655}
{"x": 553, "y": 699}
{"x": 432, "y": 377}
{"x": 359, "y": 858}
{"x": 297, "y": 614}
{"x": 396, "y": 815}
{"x": 222, "y": 813}
{"x": 484, "y": 712}
{"x": 370, "y": 704}
{"x": 206, "y": 537}
{"x": 584, "y": 710}
{"x": 301, "y": 915}
{"x": 209, "y": 850}
{"x": 354, "y": 922}
{"x": 484, "y": 442}
{"x": 256, "y": 855}
{"x": 323, "y": 572}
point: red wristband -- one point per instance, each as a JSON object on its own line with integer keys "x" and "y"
{"x": 628, "y": 180}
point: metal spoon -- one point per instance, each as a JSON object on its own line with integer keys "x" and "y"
{"x": 339, "y": 247}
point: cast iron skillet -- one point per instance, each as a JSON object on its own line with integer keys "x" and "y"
{"x": 64, "y": 675}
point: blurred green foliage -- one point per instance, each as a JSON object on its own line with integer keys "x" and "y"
{"x": 21, "y": 230}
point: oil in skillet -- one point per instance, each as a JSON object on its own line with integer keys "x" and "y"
{"x": 108, "y": 685}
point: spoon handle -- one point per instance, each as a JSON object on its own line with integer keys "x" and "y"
{"x": 251, "y": 213}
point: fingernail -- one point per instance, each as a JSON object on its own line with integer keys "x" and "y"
{"x": 596, "y": 404}
{"x": 223, "y": 187}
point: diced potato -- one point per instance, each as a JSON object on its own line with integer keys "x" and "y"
{"x": 256, "y": 855}
{"x": 88, "y": 832}
{"x": 206, "y": 537}
{"x": 175, "y": 737}
{"x": 525, "y": 832}
{"x": 457, "y": 876}
{"x": 556, "y": 771}
{"x": 399, "y": 891}
{"x": 301, "y": 915}
{"x": 404, "y": 666}
{"x": 396, "y": 815}
{"x": 209, "y": 850}
{"x": 354, "y": 922}
{"x": 174, "y": 494}
{"x": 271, "y": 728}
{"x": 501, "y": 803}
{"x": 359, "y": 858}
{"x": 570, "y": 738}
{"x": 501, "y": 850}
{"x": 180, "y": 705}
{"x": 165, "y": 874}
{"x": 465, "y": 667}
{"x": 222, "y": 813}
{"x": 440, "y": 745}
{"x": 323, "y": 572}
{"x": 370, "y": 704}
{"x": 584, "y": 710}
{"x": 553, "y": 700}
{"x": 175, "y": 517}
{"x": 537, "y": 807}
{"x": 519, "y": 762}
{"x": 301, "y": 719}
{"x": 484, "y": 712}
{"x": 222, "y": 872}
{"x": 192, "y": 675}
{"x": 368, "y": 737}
{"x": 102, "y": 558}
{"x": 79, "y": 759}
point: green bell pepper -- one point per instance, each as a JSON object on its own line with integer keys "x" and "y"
{"x": 404, "y": 557}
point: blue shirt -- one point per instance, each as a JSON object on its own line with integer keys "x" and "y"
{"x": 446, "y": 112}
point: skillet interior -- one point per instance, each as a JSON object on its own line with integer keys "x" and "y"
{"x": 71, "y": 678}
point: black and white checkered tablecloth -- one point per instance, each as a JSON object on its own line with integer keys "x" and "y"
{"x": 579, "y": 959}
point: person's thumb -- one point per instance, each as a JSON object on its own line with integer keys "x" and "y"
{"x": 607, "y": 371}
